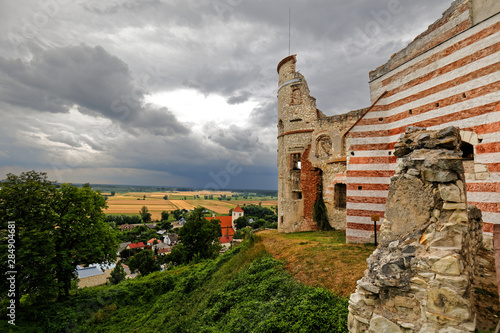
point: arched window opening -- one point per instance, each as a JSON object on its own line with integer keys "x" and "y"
{"x": 280, "y": 127}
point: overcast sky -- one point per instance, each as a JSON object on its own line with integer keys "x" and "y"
{"x": 179, "y": 92}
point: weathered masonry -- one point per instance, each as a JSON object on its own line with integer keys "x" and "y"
{"x": 311, "y": 154}
{"x": 448, "y": 76}
{"x": 420, "y": 277}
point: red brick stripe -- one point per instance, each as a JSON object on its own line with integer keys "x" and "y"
{"x": 484, "y": 129}
{"x": 487, "y": 227}
{"x": 367, "y": 187}
{"x": 374, "y": 200}
{"x": 373, "y": 146}
{"x": 372, "y": 159}
{"x": 492, "y": 207}
{"x": 493, "y": 167}
{"x": 359, "y": 212}
{"x": 370, "y": 173}
{"x": 492, "y": 147}
{"x": 360, "y": 226}
{"x": 483, "y": 187}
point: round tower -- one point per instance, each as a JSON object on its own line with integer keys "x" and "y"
{"x": 297, "y": 115}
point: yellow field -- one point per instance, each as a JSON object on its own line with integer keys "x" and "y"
{"x": 127, "y": 203}
{"x": 182, "y": 204}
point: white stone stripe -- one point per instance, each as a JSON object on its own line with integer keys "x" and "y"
{"x": 373, "y": 140}
{"x": 371, "y": 153}
{"x": 440, "y": 63}
{"x": 488, "y": 158}
{"x": 455, "y": 90}
{"x": 482, "y": 197}
{"x": 490, "y": 137}
{"x": 438, "y": 112}
{"x": 359, "y": 219}
{"x": 494, "y": 178}
{"x": 359, "y": 233}
{"x": 372, "y": 167}
{"x": 365, "y": 206}
{"x": 490, "y": 217}
{"x": 368, "y": 180}
{"x": 457, "y": 38}
{"x": 367, "y": 193}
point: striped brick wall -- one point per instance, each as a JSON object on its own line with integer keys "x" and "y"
{"x": 435, "y": 82}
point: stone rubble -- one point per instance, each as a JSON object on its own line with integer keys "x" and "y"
{"x": 420, "y": 277}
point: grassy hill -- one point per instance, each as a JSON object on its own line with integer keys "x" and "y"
{"x": 244, "y": 290}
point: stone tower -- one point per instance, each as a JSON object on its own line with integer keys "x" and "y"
{"x": 311, "y": 155}
{"x": 297, "y": 115}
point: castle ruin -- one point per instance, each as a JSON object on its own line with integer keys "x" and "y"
{"x": 447, "y": 76}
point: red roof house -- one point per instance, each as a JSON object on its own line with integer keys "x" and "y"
{"x": 226, "y": 226}
{"x": 139, "y": 245}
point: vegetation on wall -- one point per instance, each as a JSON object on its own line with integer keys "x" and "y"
{"x": 320, "y": 215}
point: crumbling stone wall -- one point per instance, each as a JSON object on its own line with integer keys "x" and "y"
{"x": 419, "y": 279}
{"x": 319, "y": 140}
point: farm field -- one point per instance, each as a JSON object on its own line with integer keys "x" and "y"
{"x": 132, "y": 202}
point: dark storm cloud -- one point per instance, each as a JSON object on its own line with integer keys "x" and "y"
{"x": 105, "y": 57}
{"x": 98, "y": 83}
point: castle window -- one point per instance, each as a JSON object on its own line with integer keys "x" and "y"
{"x": 340, "y": 193}
{"x": 296, "y": 96}
{"x": 296, "y": 195}
{"x": 295, "y": 161}
{"x": 280, "y": 127}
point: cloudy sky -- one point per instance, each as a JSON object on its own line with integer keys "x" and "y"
{"x": 179, "y": 92}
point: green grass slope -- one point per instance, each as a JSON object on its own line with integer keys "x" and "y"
{"x": 244, "y": 290}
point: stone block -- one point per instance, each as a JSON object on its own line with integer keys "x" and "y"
{"x": 439, "y": 176}
{"x": 458, "y": 217}
{"x": 478, "y": 167}
{"x": 379, "y": 324}
{"x": 428, "y": 328}
{"x": 454, "y": 205}
{"x": 451, "y": 193}
{"x": 459, "y": 282}
{"x": 450, "y": 265}
{"x": 448, "y": 303}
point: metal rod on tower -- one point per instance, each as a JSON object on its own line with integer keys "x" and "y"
{"x": 289, "y": 26}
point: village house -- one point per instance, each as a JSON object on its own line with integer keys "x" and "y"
{"x": 447, "y": 76}
{"x": 227, "y": 224}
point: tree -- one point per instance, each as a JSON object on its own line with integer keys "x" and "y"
{"x": 164, "y": 215}
{"x": 57, "y": 227}
{"x": 144, "y": 262}
{"x": 177, "y": 214}
{"x": 241, "y": 222}
{"x": 113, "y": 193}
{"x": 165, "y": 197}
{"x": 144, "y": 197}
{"x": 118, "y": 274}
{"x": 145, "y": 214}
{"x": 199, "y": 238}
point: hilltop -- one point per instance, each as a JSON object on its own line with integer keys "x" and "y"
{"x": 272, "y": 282}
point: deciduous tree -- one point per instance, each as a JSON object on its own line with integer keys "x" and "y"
{"x": 57, "y": 228}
